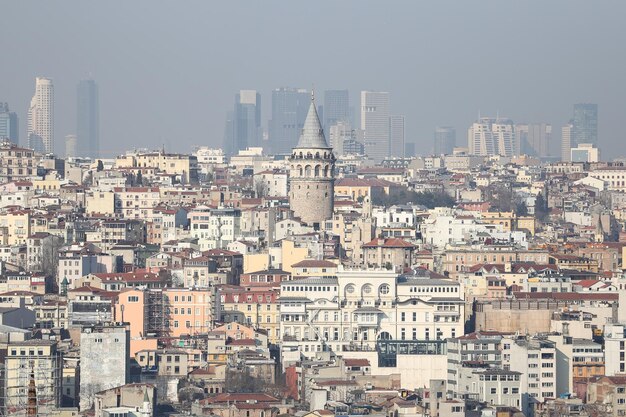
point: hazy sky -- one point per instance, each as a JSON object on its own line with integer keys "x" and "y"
{"x": 168, "y": 71}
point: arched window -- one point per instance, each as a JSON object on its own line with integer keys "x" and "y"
{"x": 300, "y": 170}
{"x": 318, "y": 170}
{"x": 384, "y": 336}
{"x": 326, "y": 171}
{"x": 307, "y": 171}
{"x": 317, "y": 155}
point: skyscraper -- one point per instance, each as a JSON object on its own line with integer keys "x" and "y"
{"x": 41, "y": 117}
{"x": 375, "y": 124}
{"x": 289, "y": 110}
{"x": 566, "y": 141}
{"x": 247, "y": 120}
{"x": 229, "y": 134}
{"x": 444, "y": 140}
{"x": 71, "y": 146}
{"x": 336, "y": 107}
{"x": 87, "y": 119}
{"x": 585, "y": 124}
{"x": 534, "y": 138}
{"x": 396, "y": 136}
{"x": 488, "y": 137}
{"x": 8, "y": 124}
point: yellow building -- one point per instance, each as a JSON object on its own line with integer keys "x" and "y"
{"x": 358, "y": 188}
{"x": 254, "y": 306}
{"x": 15, "y": 227}
{"x": 184, "y": 166}
{"x": 27, "y": 362}
{"x": 16, "y": 163}
{"x": 47, "y": 184}
{"x": 101, "y": 202}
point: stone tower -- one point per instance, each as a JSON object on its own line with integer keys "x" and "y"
{"x": 311, "y": 173}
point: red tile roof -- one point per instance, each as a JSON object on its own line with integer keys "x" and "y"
{"x": 389, "y": 243}
{"x": 313, "y": 263}
{"x": 357, "y": 362}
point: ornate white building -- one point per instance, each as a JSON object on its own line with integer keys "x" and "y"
{"x": 357, "y": 309}
{"x": 311, "y": 174}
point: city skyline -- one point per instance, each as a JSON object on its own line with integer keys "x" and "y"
{"x": 191, "y": 113}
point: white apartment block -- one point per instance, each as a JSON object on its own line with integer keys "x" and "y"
{"x": 615, "y": 178}
{"x": 535, "y": 360}
{"x": 215, "y": 228}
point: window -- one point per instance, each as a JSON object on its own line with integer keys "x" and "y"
{"x": 133, "y": 299}
{"x": 492, "y": 390}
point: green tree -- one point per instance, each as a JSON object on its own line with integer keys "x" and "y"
{"x": 100, "y": 166}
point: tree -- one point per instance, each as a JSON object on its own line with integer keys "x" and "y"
{"x": 139, "y": 179}
{"x": 541, "y": 207}
{"x": 243, "y": 381}
{"x": 428, "y": 199}
{"x": 260, "y": 189}
{"x": 88, "y": 179}
{"x": 100, "y": 166}
{"x": 521, "y": 209}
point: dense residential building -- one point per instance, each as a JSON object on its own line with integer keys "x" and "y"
{"x": 104, "y": 361}
{"x": 16, "y": 163}
{"x": 41, "y": 117}
{"x": 473, "y": 281}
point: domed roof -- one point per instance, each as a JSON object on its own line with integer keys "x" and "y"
{"x": 312, "y": 135}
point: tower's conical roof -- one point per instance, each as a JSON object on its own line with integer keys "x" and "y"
{"x": 312, "y": 135}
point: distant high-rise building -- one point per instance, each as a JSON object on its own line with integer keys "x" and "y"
{"x": 409, "y": 149}
{"x": 87, "y": 119}
{"x": 585, "y": 152}
{"x": 585, "y": 124}
{"x": 336, "y": 107}
{"x": 289, "y": 110}
{"x": 488, "y": 137}
{"x": 41, "y": 117}
{"x": 344, "y": 139}
{"x": 444, "y": 140}
{"x": 246, "y": 120}
{"x": 71, "y": 146}
{"x": 375, "y": 124}
{"x": 8, "y": 124}
{"x": 396, "y": 136}
{"x": 229, "y": 134}
{"x": 566, "y": 141}
{"x": 534, "y": 139}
